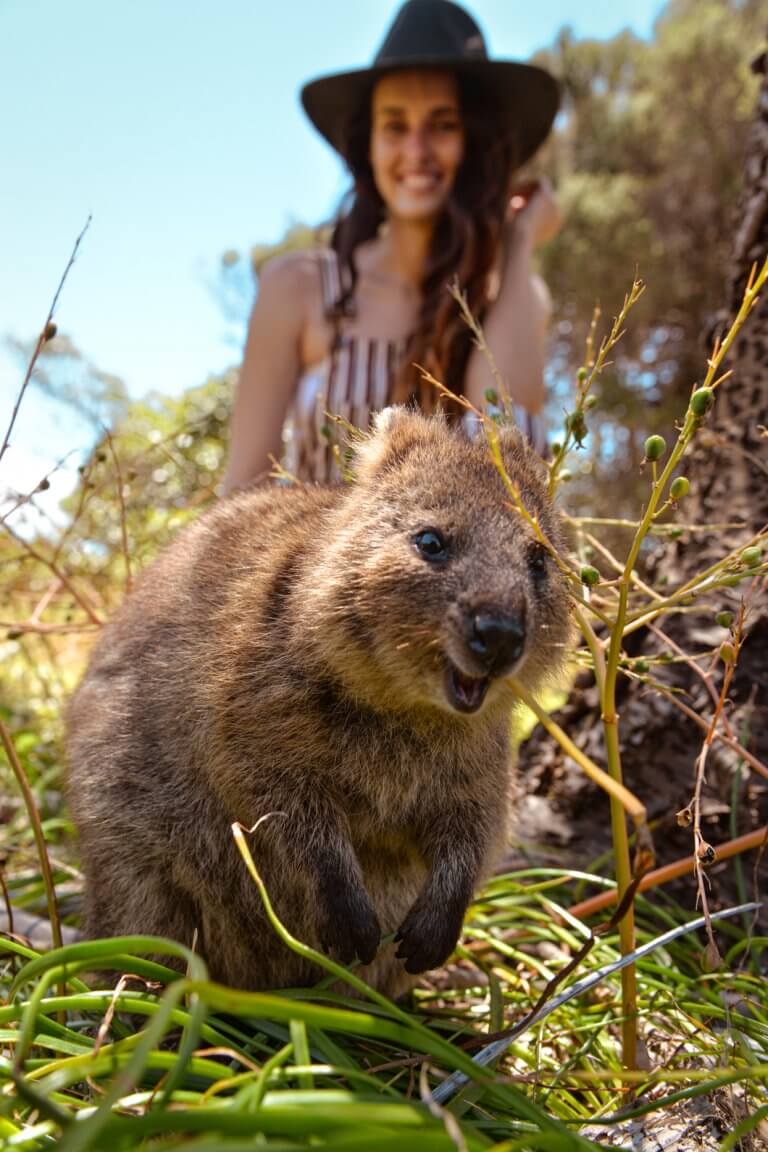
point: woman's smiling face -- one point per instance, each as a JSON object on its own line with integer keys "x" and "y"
{"x": 417, "y": 142}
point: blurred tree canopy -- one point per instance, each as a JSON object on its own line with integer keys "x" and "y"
{"x": 647, "y": 159}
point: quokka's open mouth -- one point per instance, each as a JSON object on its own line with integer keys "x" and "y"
{"x": 465, "y": 693}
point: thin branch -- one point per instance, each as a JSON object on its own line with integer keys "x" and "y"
{"x": 121, "y": 501}
{"x": 57, "y": 572}
{"x": 37, "y": 829}
{"x": 47, "y": 333}
{"x": 729, "y": 741}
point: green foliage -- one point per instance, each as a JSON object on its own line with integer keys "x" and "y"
{"x": 157, "y": 469}
{"x": 142, "y": 482}
{"x": 647, "y": 159}
{"x": 180, "y": 1059}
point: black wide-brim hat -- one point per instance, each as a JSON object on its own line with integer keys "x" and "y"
{"x": 438, "y": 34}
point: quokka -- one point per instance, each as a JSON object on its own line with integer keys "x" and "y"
{"x": 336, "y": 657}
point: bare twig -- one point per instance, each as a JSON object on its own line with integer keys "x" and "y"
{"x": 21, "y": 626}
{"x": 121, "y": 501}
{"x": 47, "y": 333}
{"x": 58, "y": 573}
{"x": 722, "y": 737}
{"x": 54, "y": 586}
{"x": 704, "y": 853}
{"x": 37, "y": 829}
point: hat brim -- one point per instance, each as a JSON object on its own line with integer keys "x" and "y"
{"x": 527, "y": 97}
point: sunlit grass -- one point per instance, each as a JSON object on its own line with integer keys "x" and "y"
{"x": 158, "y": 1058}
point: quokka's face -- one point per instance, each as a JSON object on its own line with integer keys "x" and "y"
{"x": 450, "y": 591}
{"x": 453, "y": 606}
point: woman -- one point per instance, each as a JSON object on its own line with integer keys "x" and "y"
{"x": 435, "y": 134}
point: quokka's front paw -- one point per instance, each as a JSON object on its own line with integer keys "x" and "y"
{"x": 350, "y": 928}
{"x": 428, "y": 935}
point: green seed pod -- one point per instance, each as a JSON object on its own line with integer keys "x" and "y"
{"x": 556, "y": 446}
{"x": 727, "y": 652}
{"x": 491, "y": 396}
{"x": 565, "y": 475}
{"x": 750, "y": 557}
{"x": 590, "y": 402}
{"x": 582, "y": 375}
{"x": 655, "y": 447}
{"x": 680, "y": 487}
{"x": 589, "y": 576}
{"x": 577, "y": 425}
{"x": 675, "y": 533}
{"x": 724, "y": 619}
{"x": 701, "y": 401}
{"x": 640, "y": 666}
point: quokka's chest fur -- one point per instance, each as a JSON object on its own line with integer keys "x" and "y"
{"x": 337, "y": 657}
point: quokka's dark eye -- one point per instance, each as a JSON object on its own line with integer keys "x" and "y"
{"x": 432, "y": 545}
{"x": 537, "y": 562}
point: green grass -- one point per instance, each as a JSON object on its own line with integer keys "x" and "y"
{"x": 164, "y": 1061}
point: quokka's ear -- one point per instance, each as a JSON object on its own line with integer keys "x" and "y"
{"x": 385, "y": 421}
{"x": 394, "y": 432}
{"x": 517, "y": 453}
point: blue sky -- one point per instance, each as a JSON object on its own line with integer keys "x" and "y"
{"x": 176, "y": 125}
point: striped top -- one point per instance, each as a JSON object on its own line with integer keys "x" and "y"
{"x": 348, "y": 386}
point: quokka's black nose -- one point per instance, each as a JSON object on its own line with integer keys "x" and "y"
{"x": 497, "y": 640}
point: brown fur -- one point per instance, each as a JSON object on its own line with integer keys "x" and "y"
{"x": 287, "y": 654}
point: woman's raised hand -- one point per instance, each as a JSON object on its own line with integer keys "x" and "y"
{"x": 534, "y": 208}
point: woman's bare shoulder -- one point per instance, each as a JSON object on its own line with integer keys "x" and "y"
{"x": 296, "y": 272}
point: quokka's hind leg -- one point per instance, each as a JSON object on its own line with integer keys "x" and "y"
{"x": 147, "y": 904}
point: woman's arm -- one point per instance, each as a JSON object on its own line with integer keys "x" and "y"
{"x": 516, "y": 324}
{"x": 270, "y": 370}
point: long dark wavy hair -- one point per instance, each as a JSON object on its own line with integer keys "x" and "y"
{"x": 464, "y": 249}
